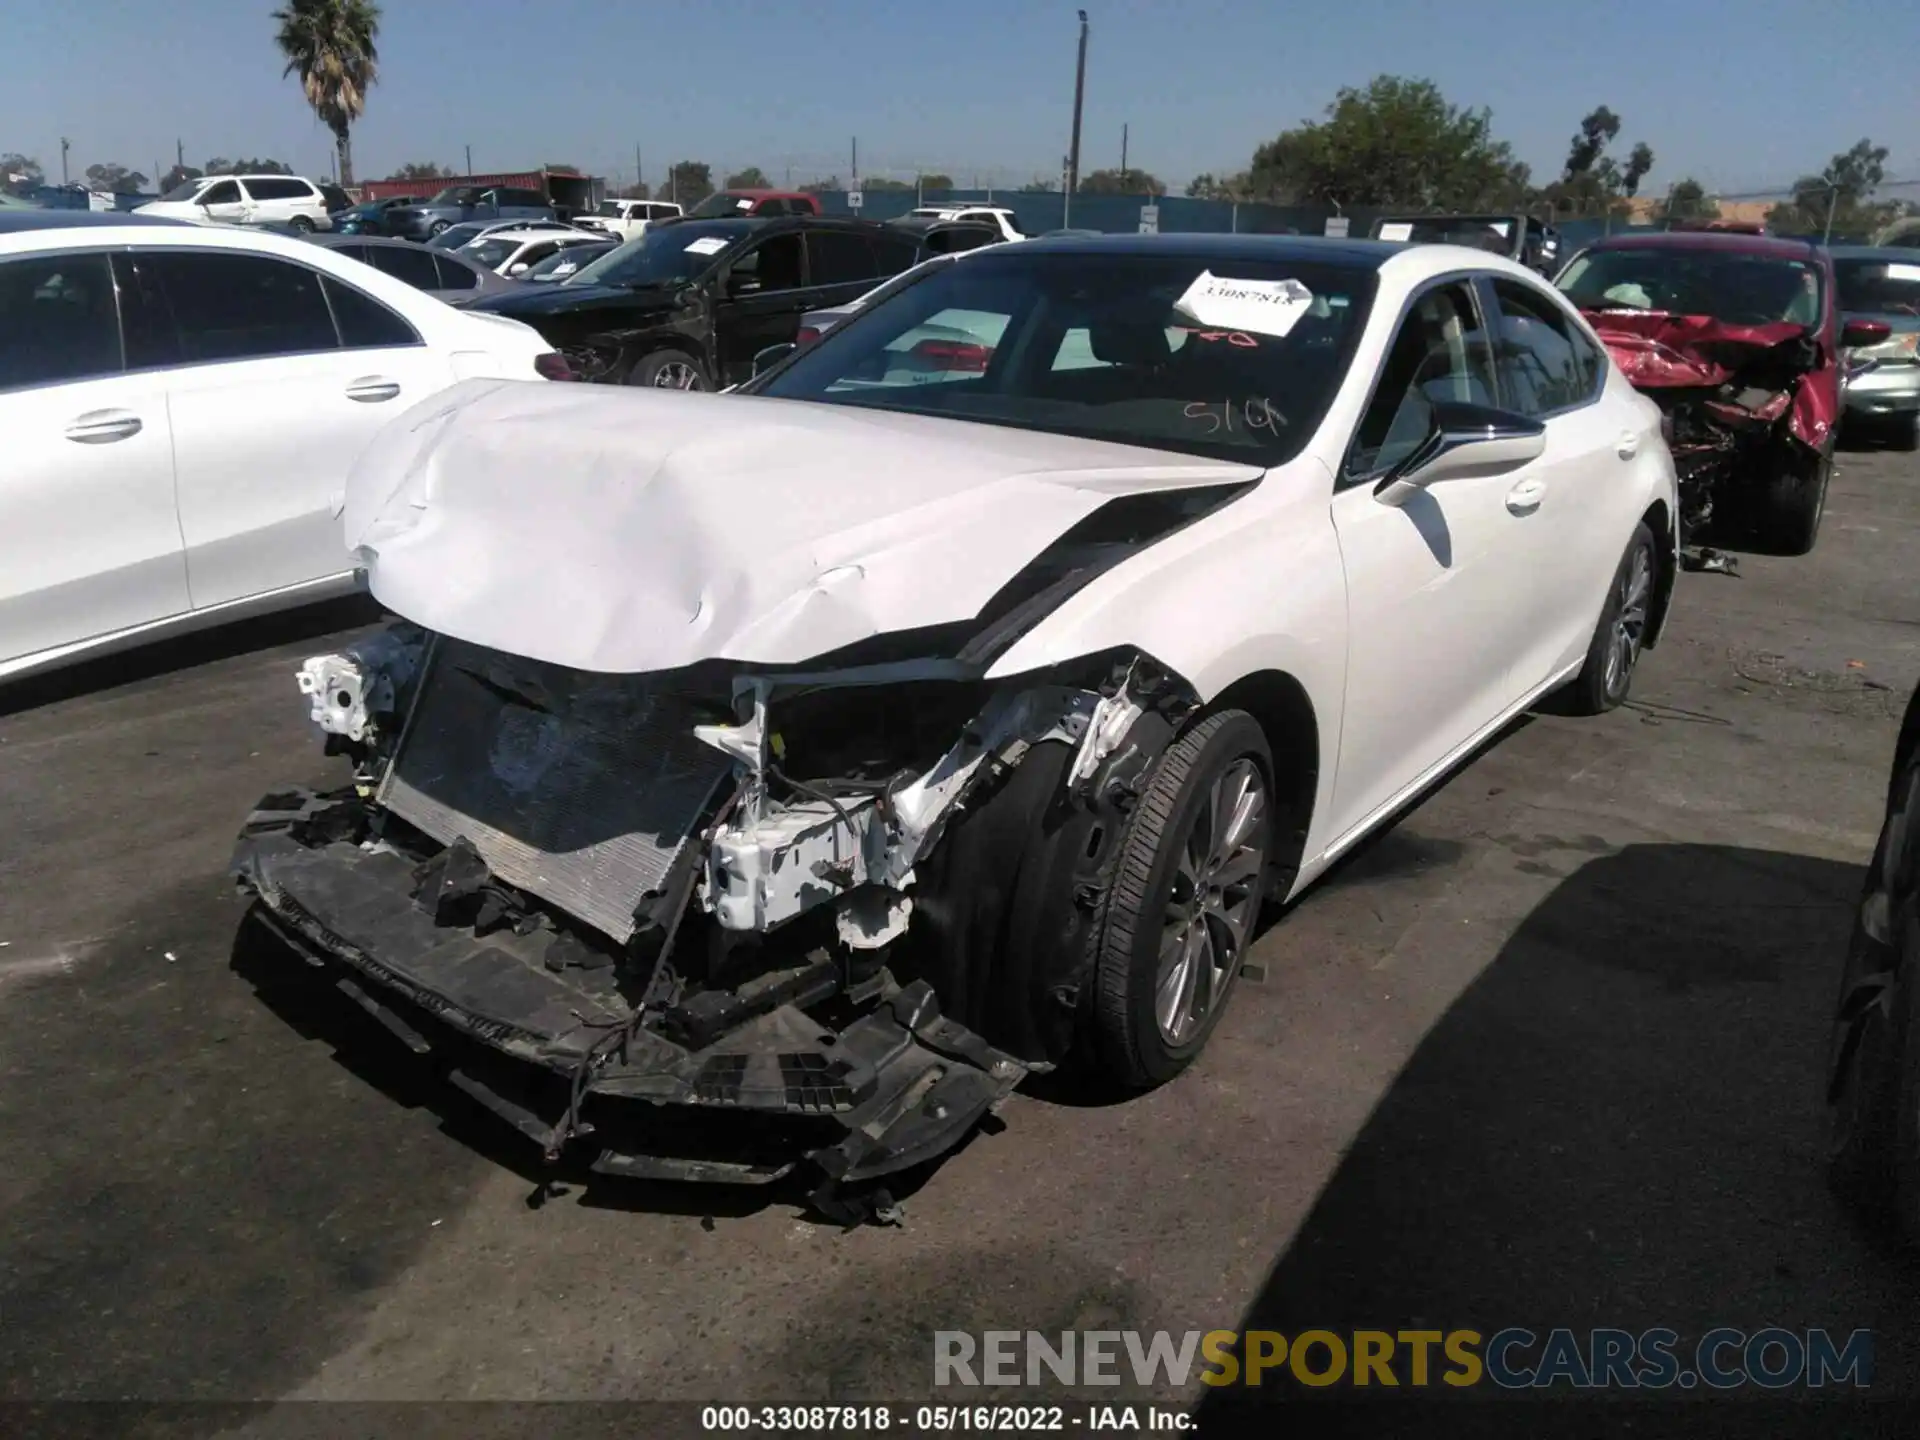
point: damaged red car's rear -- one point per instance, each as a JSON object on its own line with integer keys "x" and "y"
{"x": 1735, "y": 337}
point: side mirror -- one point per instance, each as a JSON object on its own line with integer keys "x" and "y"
{"x": 771, "y": 356}
{"x": 742, "y": 284}
{"x": 1858, "y": 334}
{"x": 519, "y": 269}
{"x": 1463, "y": 441}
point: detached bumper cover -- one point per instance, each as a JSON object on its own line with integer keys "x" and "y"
{"x": 521, "y": 1020}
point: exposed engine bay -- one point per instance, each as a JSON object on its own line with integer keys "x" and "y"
{"x": 1741, "y": 405}
{"x": 715, "y": 922}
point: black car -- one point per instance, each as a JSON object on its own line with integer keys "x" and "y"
{"x": 688, "y": 306}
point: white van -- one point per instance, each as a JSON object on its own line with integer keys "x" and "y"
{"x": 245, "y": 200}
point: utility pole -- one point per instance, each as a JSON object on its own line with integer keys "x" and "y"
{"x": 1833, "y": 199}
{"x": 855, "y": 162}
{"x": 1066, "y": 191}
{"x": 65, "y": 144}
{"x": 1079, "y": 97}
{"x": 639, "y": 175}
{"x": 1123, "y": 159}
{"x": 469, "y": 159}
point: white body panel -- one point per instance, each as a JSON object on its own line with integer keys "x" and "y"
{"x": 226, "y": 497}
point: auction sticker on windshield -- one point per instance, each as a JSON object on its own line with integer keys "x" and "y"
{"x": 1264, "y": 307}
{"x": 707, "y": 245}
{"x": 1398, "y": 230}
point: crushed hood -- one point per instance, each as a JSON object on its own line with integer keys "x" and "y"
{"x": 1658, "y": 351}
{"x": 622, "y": 531}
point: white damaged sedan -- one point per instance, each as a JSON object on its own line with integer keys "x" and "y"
{"x": 815, "y": 763}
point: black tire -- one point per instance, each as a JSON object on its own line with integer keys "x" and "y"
{"x": 1873, "y": 1087}
{"x": 302, "y": 224}
{"x": 1903, "y": 433}
{"x": 439, "y": 227}
{"x": 1795, "y": 501}
{"x": 667, "y": 370}
{"x": 1619, "y": 638}
{"x": 1132, "y": 1046}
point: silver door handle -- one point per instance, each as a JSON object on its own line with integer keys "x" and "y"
{"x": 1628, "y": 447}
{"x": 372, "y": 389}
{"x": 103, "y": 427}
{"x": 1527, "y": 495}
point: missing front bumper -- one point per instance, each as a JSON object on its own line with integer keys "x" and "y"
{"x": 856, "y": 1076}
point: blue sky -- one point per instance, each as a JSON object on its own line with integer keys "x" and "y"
{"x": 1740, "y": 93}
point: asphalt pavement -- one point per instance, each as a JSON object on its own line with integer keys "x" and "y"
{"x": 1547, "y": 1053}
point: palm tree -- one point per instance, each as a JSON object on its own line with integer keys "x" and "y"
{"x": 329, "y": 45}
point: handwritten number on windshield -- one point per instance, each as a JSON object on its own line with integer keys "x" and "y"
{"x": 1255, "y": 413}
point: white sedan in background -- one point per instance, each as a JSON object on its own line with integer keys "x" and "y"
{"x": 982, "y": 666}
{"x": 514, "y": 252}
{"x": 180, "y": 406}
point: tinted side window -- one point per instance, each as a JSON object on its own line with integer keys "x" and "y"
{"x": 1540, "y": 370}
{"x": 227, "y": 192}
{"x": 1440, "y": 354}
{"x": 531, "y": 198}
{"x": 454, "y": 275}
{"x": 279, "y": 189}
{"x": 58, "y": 321}
{"x": 774, "y": 263}
{"x": 838, "y": 258}
{"x": 366, "y": 324}
{"x": 895, "y": 253}
{"x": 406, "y": 263}
{"x": 233, "y": 307}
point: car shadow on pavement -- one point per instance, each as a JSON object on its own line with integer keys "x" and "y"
{"x": 223, "y": 642}
{"x": 1619, "y": 1123}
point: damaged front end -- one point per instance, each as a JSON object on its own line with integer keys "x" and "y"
{"x": 714, "y": 923}
{"x": 1748, "y": 408}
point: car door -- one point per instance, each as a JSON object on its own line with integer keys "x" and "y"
{"x": 762, "y": 297}
{"x": 1438, "y": 588}
{"x": 86, "y": 464}
{"x": 1582, "y": 488}
{"x": 281, "y": 377}
{"x": 225, "y": 202}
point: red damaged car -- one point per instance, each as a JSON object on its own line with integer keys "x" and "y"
{"x": 1736, "y": 338}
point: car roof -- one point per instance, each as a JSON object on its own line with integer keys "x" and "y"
{"x": 1892, "y": 254}
{"x": 1729, "y": 242}
{"x": 1356, "y": 254}
{"x": 534, "y": 232}
{"x": 15, "y": 221}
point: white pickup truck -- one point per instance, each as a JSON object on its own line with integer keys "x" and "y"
{"x": 624, "y": 219}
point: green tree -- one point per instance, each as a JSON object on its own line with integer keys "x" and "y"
{"x": 179, "y": 175}
{"x": 114, "y": 179}
{"x": 419, "y": 170}
{"x": 881, "y": 182}
{"x": 821, "y": 187}
{"x": 936, "y": 181}
{"x": 691, "y": 181}
{"x": 1592, "y": 182}
{"x": 329, "y": 44}
{"x": 1687, "y": 200}
{"x": 751, "y": 178}
{"x": 639, "y": 190}
{"x": 247, "y": 166}
{"x": 1398, "y": 142}
{"x": 18, "y": 172}
{"x": 1117, "y": 182}
{"x": 1837, "y": 200}
{"x": 1037, "y": 186}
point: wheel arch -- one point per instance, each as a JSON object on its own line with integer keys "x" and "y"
{"x": 1284, "y": 710}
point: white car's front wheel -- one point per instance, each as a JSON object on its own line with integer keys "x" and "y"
{"x": 1621, "y": 635}
{"x": 1186, "y": 900}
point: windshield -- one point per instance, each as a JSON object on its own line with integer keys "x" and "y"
{"x": 490, "y": 252}
{"x": 185, "y": 190}
{"x": 454, "y": 236}
{"x": 1727, "y": 285}
{"x": 1106, "y": 347}
{"x": 609, "y": 208}
{"x": 1879, "y": 287}
{"x": 660, "y": 257}
{"x": 1481, "y": 232}
{"x": 722, "y": 203}
{"x": 454, "y": 195}
{"x": 563, "y": 264}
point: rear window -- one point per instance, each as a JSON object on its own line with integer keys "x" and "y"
{"x": 1141, "y": 350}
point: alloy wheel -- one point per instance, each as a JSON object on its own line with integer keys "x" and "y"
{"x": 1211, "y": 907}
{"x": 1635, "y": 595}
{"x": 677, "y": 375}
